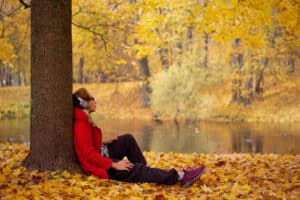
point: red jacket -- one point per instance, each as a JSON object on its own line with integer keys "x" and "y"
{"x": 88, "y": 141}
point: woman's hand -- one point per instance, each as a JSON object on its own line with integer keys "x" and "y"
{"x": 122, "y": 165}
{"x": 110, "y": 140}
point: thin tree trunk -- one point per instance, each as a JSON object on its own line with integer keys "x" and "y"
{"x": 291, "y": 64}
{"x": 144, "y": 68}
{"x": 248, "y": 95}
{"x": 206, "y": 40}
{"x": 8, "y": 76}
{"x": 24, "y": 77}
{"x": 205, "y": 60}
{"x": 1, "y": 73}
{"x": 237, "y": 62}
{"x": 19, "y": 72}
{"x": 260, "y": 77}
{"x": 51, "y": 141}
{"x": 80, "y": 70}
{"x": 144, "y": 71}
{"x": 163, "y": 54}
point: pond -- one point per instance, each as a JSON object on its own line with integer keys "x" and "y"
{"x": 202, "y": 137}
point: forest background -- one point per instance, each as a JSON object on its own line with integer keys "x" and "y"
{"x": 217, "y": 60}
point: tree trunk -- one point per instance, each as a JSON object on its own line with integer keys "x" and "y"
{"x": 260, "y": 77}
{"x": 19, "y": 72}
{"x": 190, "y": 30}
{"x": 237, "y": 62}
{"x": 1, "y": 73}
{"x": 246, "y": 99}
{"x": 205, "y": 60}
{"x": 51, "y": 138}
{"x": 144, "y": 68}
{"x": 146, "y": 89}
{"x": 163, "y": 53}
{"x": 80, "y": 70}
{"x": 206, "y": 40}
{"x": 24, "y": 77}
{"x": 143, "y": 62}
{"x": 189, "y": 39}
{"x": 291, "y": 64}
{"x": 8, "y": 76}
{"x": 145, "y": 74}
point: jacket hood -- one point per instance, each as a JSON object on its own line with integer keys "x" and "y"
{"x": 79, "y": 114}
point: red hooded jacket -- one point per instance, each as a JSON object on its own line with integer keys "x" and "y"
{"x": 88, "y": 141}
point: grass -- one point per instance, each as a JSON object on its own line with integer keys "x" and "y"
{"x": 118, "y": 100}
{"x": 280, "y": 102}
{"x": 14, "y": 102}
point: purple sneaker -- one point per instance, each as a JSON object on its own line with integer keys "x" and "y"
{"x": 191, "y": 176}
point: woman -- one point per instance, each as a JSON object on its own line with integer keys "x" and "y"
{"x": 105, "y": 158}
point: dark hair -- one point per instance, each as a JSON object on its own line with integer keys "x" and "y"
{"x": 76, "y": 102}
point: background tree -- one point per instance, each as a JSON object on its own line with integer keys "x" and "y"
{"x": 250, "y": 45}
{"x": 14, "y": 42}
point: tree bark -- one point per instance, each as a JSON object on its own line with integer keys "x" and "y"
{"x": 163, "y": 53}
{"x": 206, "y": 41}
{"x": 144, "y": 68}
{"x": 260, "y": 77}
{"x": 80, "y": 70}
{"x": 291, "y": 64}
{"x": 237, "y": 62}
{"x": 8, "y": 76}
{"x": 24, "y": 81}
{"x": 1, "y": 73}
{"x": 205, "y": 60}
{"x": 51, "y": 138}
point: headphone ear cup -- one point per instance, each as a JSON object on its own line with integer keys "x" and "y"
{"x": 83, "y": 103}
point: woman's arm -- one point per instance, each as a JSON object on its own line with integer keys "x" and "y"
{"x": 83, "y": 139}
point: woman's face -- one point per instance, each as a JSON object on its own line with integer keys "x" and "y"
{"x": 92, "y": 105}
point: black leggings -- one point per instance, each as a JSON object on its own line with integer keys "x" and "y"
{"x": 126, "y": 145}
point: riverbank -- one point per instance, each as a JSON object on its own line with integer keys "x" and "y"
{"x": 280, "y": 103}
{"x": 227, "y": 176}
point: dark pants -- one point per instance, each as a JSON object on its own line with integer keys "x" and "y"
{"x": 126, "y": 145}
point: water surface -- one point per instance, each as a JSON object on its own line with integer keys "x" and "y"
{"x": 186, "y": 138}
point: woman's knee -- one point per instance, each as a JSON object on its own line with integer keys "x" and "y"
{"x": 128, "y": 136}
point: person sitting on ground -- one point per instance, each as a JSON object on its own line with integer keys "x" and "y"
{"x": 105, "y": 159}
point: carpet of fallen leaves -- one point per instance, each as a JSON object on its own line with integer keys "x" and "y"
{"x": 227, "y": 176}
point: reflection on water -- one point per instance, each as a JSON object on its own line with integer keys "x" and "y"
{"x": 187, "y": 138}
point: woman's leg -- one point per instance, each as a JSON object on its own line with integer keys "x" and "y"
{"x": 126, "y": 145}
{"x": 140, "y": 173}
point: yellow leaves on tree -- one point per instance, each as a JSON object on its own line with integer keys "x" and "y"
{"x": 7, "y": 51}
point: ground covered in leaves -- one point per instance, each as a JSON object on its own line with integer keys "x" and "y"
{"x": 227, "y": 176}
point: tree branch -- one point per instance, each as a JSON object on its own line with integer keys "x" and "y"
{"x": 25, "y": 36}
{"x": 116, "y": 5}
{"x": 77, "y": 12}
{"x": 11, "y": 12}
{"x": 25, "y": 4}
{"x": 1, "y": 5}
{"x": 3, "y": 31}
{"x": 93, "y": 32}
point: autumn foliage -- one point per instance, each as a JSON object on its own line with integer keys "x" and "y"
{"x": 227, "y": 176}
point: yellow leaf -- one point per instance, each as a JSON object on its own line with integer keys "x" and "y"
{"x": 206, "y": 189}
{"x": 66, "y": 174}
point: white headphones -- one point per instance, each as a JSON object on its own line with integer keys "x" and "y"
{"x": 83, "y": 103}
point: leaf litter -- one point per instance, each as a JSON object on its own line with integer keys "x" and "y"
{"x": 227, "y": 176}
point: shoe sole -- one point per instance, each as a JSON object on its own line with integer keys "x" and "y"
{"x": 189, "y": 183}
